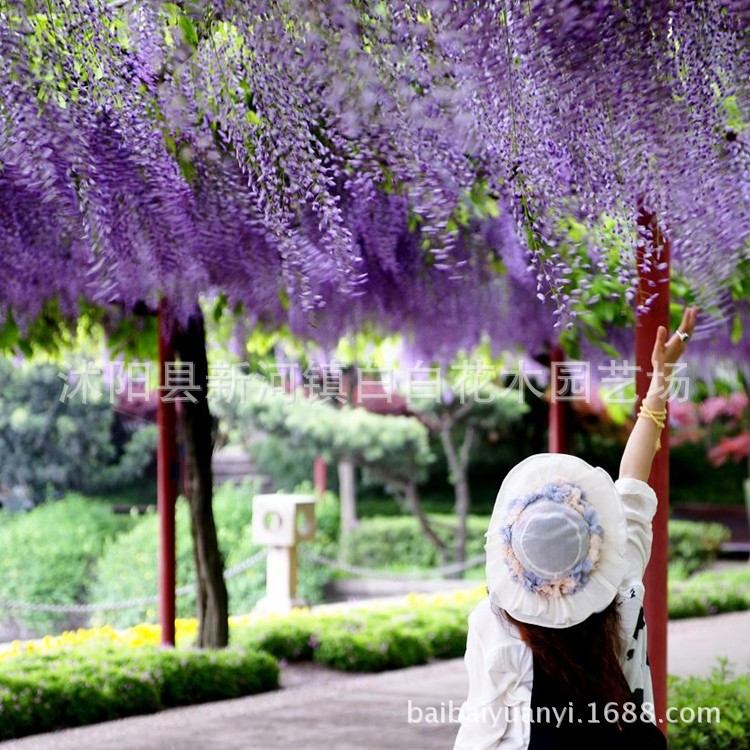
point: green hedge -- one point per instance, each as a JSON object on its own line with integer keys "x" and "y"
{"x": 76, "y": 687}
{"x": 709, "y": 593}
{"x": 693, "y": 545}
{"x": 288, "y": 639}
{"x": 730, "y": 695}
{"x": 49, "y": 554}
{"x": 380, "y": 542}
{"x": 364, "y": 639}
{"x": 373, "y": 648}
{"x": 347, "y": 640}
{"x": 385, "y": 541}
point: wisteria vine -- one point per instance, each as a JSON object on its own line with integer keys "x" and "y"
{"x": 415, "y": 163}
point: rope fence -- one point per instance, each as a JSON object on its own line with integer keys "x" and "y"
{"x": 235, "y": 570}
{"x": 142, "y": 601}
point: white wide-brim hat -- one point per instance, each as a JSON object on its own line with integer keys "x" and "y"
{"x": 556, "y": 541}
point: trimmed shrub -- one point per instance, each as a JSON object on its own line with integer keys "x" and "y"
{"x": 709, "y": 593}
{"x": 445, "y": 632}
{"x": 380, "y": 542}
{"x": 374, "y": 648}
{"x": 367, "y": 638}
{"x": 693, "y": 545}
{"x": 51, "y": 695}
{"x": 290, "y": 639}
{"x": 730, "y": 695}
{"x": 76, "y": 687}
{"x": 49, "y": 554}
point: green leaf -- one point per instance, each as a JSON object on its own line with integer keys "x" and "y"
{"x": 189, "y": 34}
{"x": 219, "y": 307}
{"x": 253, "y": 119}
{"x": 25, "y": 347}
{"x": 736, "y": 336}
{"x": 8, "y": 334}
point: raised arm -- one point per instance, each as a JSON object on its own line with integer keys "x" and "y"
{"x": 642, "y": 444}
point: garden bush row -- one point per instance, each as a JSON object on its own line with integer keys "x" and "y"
{"x": 378, "y": 542}
{"x": 366, "y": 640}
{"x": 375, "y": 639}
{"x": 709, "y": 593}
{"x": 74, "y": 687}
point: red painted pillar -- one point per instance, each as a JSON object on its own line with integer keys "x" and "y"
{"x": 320, "y": 475}
{"x": 167, "y": 477}
{"x": 654, "y": 279}
{"x": 558, "y": 407}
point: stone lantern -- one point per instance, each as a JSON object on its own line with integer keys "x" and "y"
{"x": 280, "y": 522}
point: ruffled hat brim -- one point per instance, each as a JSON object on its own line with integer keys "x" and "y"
{"x": 605, "y": 579}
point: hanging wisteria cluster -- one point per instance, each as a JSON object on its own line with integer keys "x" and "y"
{"x": 418, "y": 164}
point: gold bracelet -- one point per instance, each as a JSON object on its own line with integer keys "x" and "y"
{"x": 659, "y": 418}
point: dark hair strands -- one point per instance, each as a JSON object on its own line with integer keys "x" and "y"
{"x": 584, "y": 659}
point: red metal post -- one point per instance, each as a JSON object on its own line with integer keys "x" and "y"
{"x": 653, "y": 279}
{"x": 167, "y": 478}
{"x": 320, "y": 475}
{"x": 558, "y": 407}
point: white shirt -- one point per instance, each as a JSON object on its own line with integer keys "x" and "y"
{"x": 500, "y": 665}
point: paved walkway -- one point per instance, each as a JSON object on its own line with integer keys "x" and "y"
{"x": 322, "y": 710}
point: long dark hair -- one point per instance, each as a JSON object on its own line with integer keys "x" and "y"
{"x": 584, "y": 659}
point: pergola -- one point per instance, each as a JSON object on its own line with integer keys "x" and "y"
{"x": 308, "y": 160}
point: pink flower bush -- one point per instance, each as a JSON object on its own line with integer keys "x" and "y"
{"x": 734, "y": 448}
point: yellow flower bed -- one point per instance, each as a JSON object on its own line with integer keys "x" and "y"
{"x": 144, "y": 634}
{"x": 147, "y": 634}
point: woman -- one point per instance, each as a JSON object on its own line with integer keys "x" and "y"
{"x": 556, "y": 653}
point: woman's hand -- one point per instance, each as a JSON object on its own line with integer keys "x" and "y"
{"x": 644, "y": 439}
{"x": 667, "y": 353}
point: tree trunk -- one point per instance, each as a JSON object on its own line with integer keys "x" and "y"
{"x": 458, "y": 464}
{"x": 197, "y": 428}
{"x": 347, "y": 495}
{"x": 414, "y": 505}
{"x": 412, "y": 499}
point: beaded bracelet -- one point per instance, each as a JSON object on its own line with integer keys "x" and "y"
{"x": 658, "y": 417}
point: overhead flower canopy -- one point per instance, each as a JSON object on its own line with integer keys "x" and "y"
{"x": 416, "y": 163}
